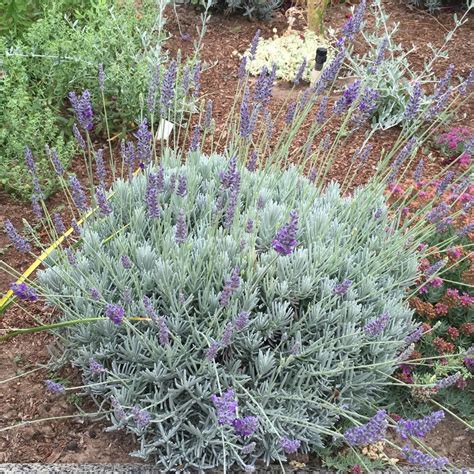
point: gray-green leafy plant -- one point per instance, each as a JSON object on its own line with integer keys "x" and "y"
{"x": 304, "y": 340}
{"x": 386, "y": 68}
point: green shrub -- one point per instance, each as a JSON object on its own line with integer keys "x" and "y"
{"x": 307, "y": 311}
{"x": 59, "y": 54}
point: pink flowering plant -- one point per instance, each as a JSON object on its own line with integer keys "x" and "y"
{"x": 457, "y": 145}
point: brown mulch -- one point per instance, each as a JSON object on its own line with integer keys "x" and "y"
{"x": 80, "y": 439}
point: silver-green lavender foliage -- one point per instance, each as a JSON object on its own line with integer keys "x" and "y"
{"x": 303, "y": 356}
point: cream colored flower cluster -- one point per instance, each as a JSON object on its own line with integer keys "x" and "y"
{"x": 287, "y": 52}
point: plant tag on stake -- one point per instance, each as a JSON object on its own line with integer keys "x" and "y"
{"x": 164, "y": 130}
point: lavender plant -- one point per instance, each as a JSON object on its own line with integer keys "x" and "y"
{"x": 401, "y": 91}
{"x": 226, "y": 308}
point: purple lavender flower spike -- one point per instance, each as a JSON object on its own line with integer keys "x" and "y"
{"x": 445, "y": 182}
{"x": 30, "y": 162}
{"x": 75, "y": 227}
{"x": 102, "y": 202}
{"x": 367, "y": 105}
{"x": 321, "y": 114}
{"x": 226, "y": 407}
{"x": 151, "y": 197}
{"x": 195, "y": 138}
{"x": 353, "y": 25}
{"x": 435, "y": 268}
{"x": 35, "y": 205}
{"x": 241, "y": 321}
{"x": 186, "y": 80}
{"x": 290, "y": 113}
{"x": 127, "y": 296}
{"x": 181, "y": 232}
{"x": 181, "y": 190}
{"x": 290, "y": 446}
{"x": 172, "y": 182}
{"x": 418, "y": 174}
{"x": 83, "y": 109}
{"x": 341, "y": 288}
{"x": 57, "y": 165}
{"x": 163, "y": 332}
{"x": 167, "y": 89}
{"x": 100, "y": 167}
{"x": 232, "y": 206}
{"x": 54, "y": 387}
{"x": 78, "y": 136}
{"x": 249, "y": 448}
{"x": 417, "y": 457}
{"x": 349, "y": 96}
{"x": 249, "y": 226}
{"x": 242, "y": 68}
{"x": 126, "y": 262}
{"x": 197, "y": 79}
{"x": 254, "y": 45}
{"x": 376, "y": 326}
{"x": 330, "y": 72}
{"x": 420, "y": 427}
{"x": 404, "y": 153}
{"x": 246, "y": 426}
{"x": 208, "y": 115}
{"x": 115, "y": 313}
{"x": 101, "y": 77}
{"x": 19, "y": 242}
{"x": 438, "y": 213}
{"x": 467, "y": 83}
{"x": 230, "y": 285}
{"x": 245, "y": 130}
{"x": 413, "y": 103}
{"x": 227, "y": 336}
{"x": 415, "y": 336}
{"x": 231, "y": 176}
{"x": 300, "y": 72}
{"x": 448, "y": 381}
{"x": 24, "y": 292}
{"x": 466, "y": 230}
{"x": 95, "y": 295}
{"x": 370, "y": 433}
{"x": 78, "y": 195}
{"x": 59, "y": 224}
{"x": 406, "y": 354}
{"x": 95, "y": 367}
{"x": 363, "y": 154}
{"x": 149, "y": 309}
{"x": 444, "y": 82}
{"x": 380, "y": 54}
{"x": 144, "y": 138}
{"x": 285, "y": 241}
{"x": 252, "y": 161}
{"x": 439, "y": 105}
{"x": 141, "y": 417}
{"x": 212, "y": 350}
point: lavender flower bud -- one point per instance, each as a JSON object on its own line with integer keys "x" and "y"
{"x": 77, "y": 135}
{"x": 151, "y": 197}
{"x": 252, "y": 162}
{"x": 245, "y": 130}
{"x": 290, "y": 446}
{"x": 95, "y": 367}
{"x": 78, "y": 195}
{"x": 58, "y": 166}
{"x": 241, "y": 321}
{"x": 95, "y": 294}
{"x": 115, "y": 313}
{"x": 370, "y": 433}
{"x": 20, "y": 243}
{"x": 227, "y": 336}
{"x": 230, "y": 285}
{"x": 321, "y": 114}
{"x": 59, "y": 224}
{"x": 285, "y": 241}
{"x": 300, "y": 72}
{"x": 102, "y": 202}
{"x": 242, "y": 68}
{"x": 182, "y": 186}
{"x": 167, "y": 89}
{"x": 141, "y": 417}
{"x": 415, "y": 456}
{"x": 197, "y": 79}
{"x": 341, "y": 288}
{"x": 126, "y": 262}
{"x": 376, "y": 326}
{"x": 444, "y": 184}
{"x": 420, "y": 427}
{"x": 226, "y": 407}
{"x": 24, "y": 292}
{"x": 249, "y": 226}
{"x": 181, "y": 231}
{"x": 208, "y": 115}
{"x": 100, "y": 167}
{"x": 54, "y": 387}
{"x": 35, "y": 205}
{"x": 415, "y": 336}
{"x": 83, "y": 109}
{"x": 144, "y": 138}
{"x": 448, "y": 381}
{"x": 195, "y": 138}
{"x": 212, "y": 350}
{"x": 163, "y": 332}
{"x": 254, "y": 45}
{"x": 417, "y": 175}
{"x": 30, "y": 162}
{"x": 413, "y": 103}
{"x": 246, "y": 426}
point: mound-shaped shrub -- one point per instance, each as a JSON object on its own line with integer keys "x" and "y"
{"x": 283, "y": 301}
